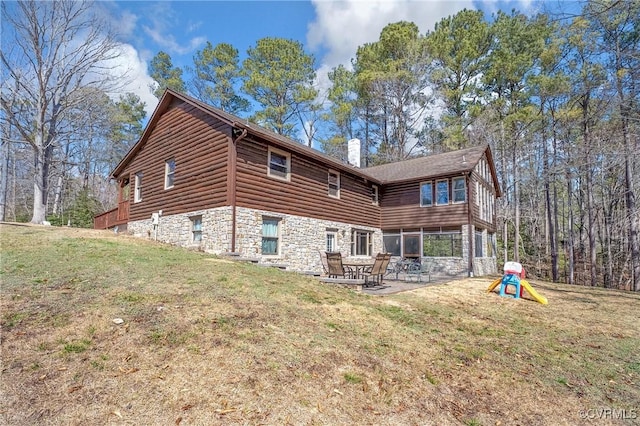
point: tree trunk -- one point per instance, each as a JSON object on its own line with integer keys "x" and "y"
{"x": 549, "y": 210}
{"x": 40, "y": 188}
{"x": 570, "y": 241}
{"x": 4, "y": 179}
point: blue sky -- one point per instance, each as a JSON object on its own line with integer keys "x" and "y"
{"x": 330, "y": 30}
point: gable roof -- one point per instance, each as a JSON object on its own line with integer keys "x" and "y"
{"x": 434, "y": 166}
{"x": 413, "y": 169}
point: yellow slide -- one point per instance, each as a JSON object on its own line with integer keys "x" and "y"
{"x": 537, "y": 297}
{"x": 494, "y": 285}
{"x": 525, "y": 284}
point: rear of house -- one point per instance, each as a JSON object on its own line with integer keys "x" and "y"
{"x": 205, "y": 179}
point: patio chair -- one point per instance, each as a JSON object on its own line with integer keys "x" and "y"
{"x": 323, "y": 262}
{"x": 335, "y": 268}
{"x": 375, "y": 273}
{"x": 419, "y": 270}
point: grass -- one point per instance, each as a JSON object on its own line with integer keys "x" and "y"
{"x": 207, "y": 341}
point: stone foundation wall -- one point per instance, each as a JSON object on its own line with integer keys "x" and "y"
{"x": 300, "y": 237}
{"x": 178, "y": 229}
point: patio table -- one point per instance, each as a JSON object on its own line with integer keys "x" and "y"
{"x": 358, "y": 265}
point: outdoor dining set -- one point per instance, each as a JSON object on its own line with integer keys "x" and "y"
{"x": 373, "y": 270}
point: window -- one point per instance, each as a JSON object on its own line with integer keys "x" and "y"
{"x": 392, "y": 244}
{"x": 426, "y": 194}
{"x": 442, "y": 192}
{"x": 375, "y": 195}
{"x": 477, "y": 193}
{"x": 270, "y": 236}
{"x": 196, "y": 228}
{"x": 334, "y": 183}
{"x": 361, "y": 243}
{"x": 478, "y": 244}
{"x": 137, "y": 192}
{"x": 169, "y": 170}
{"x": 447, "y": 244}
{"x": 459, "y": 190}
{"x": 332, "y": 238}
{"x": 279, "y": 164}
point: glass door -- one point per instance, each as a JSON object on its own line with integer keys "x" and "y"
{"x": 411, "y": 246}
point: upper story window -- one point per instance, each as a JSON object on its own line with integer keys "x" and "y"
{"x": 459, "y": 190}
{"x": 426, "y": 194}
{"x": 279, "y": 164}
{"x": 169, "y": 172}
{"x": 375, "y": 195}
{"x": 334, "y": 183}
{"x": 137, "y": 184}
{"x": 442, "y": 192}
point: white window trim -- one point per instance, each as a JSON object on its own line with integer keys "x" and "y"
{"x": 278, "y": 237}
{"x": 284, "y": 154}
{"x": 448, "y": 192}
{"x": 335, "y": 240}
{"x": 166, "y": 173}
{"x": 432, "y": 188}
{"x": 453, "y": 190}
{"x": 337, "y": 174}
{"x": 354, "y": 243}
{"x": 137, "y": 187}
{"x": 193, "y": 230}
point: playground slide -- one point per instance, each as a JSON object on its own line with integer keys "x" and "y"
{"x": 525, "y": 284}
{"x": 494, "y": 284}
{"x": 537, "y": 297}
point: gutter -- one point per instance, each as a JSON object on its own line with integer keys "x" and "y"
{"x": 231, "y": 177}
{"x": 472, "y": 247}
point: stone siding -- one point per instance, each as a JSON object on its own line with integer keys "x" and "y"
{"x": 300, "y": 239}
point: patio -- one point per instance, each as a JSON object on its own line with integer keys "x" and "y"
{"x": 391, "y": 285}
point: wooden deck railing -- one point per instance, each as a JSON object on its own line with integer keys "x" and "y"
{"x": 113, "y": 217}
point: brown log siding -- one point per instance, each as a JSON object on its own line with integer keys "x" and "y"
{"x": 401, "y": 209}
{"x": 198, "y": 143}
{"x": 306, "y": 194}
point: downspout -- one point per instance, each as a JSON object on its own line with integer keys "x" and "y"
{"x": 231, "y": 179}
{"x": 470, "y": 221}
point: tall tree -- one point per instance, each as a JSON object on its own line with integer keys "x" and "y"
{"x": 518, "y": 42}
{"x": 126, "y": 128}
{"x": 459, "y": 46}
{"x": 215, "y": 74}
{"x": 279, "y": 75}
{"x": 619, "y": 24}
{"x": 56, "y": 49}
{"x": 342, "y": 114}
{"x": 392, "y": 81}
{"x": 165, "y": 75}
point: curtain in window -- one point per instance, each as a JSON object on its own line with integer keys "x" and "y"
{"x": 269, "y": 236}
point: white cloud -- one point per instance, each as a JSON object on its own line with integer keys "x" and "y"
{"x": 132, "y": 69}
{"x": 341, "y": 26}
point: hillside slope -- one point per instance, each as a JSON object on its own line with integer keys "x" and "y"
{"x": 207, "y": 341}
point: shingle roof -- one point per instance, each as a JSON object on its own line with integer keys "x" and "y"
{"x": 431, "y": 166}
{"x": 428, "y": 167}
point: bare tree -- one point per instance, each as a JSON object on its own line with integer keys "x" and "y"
{"x": 51, "y": 50}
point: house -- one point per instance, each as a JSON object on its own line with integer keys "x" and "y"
{"x": 203, "y": 178}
